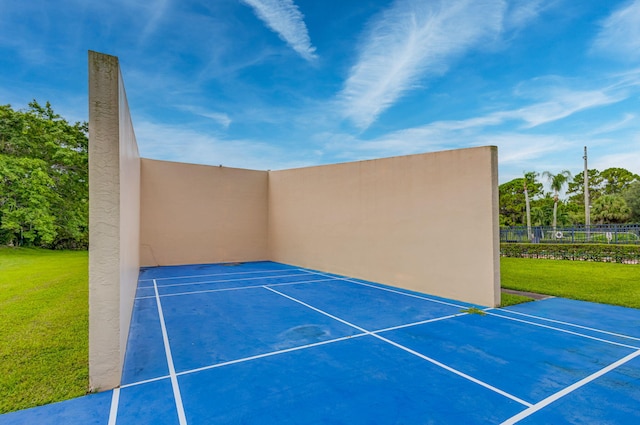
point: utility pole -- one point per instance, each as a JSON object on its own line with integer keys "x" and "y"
{"x": 528, "y": 209}
{"x": 587, "y": 210}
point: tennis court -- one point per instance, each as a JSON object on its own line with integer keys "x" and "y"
{"x": 261, "y": 343}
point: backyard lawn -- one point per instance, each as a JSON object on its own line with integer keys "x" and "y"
{"x": 44, "y": 313}
{"x": 608, "y": 283}
{"x": 43, "y": 326}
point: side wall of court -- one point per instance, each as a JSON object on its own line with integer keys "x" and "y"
{"x": 424, "y": 222}
{"x": 114, "y": 220}
{"x": 194, "y": 214}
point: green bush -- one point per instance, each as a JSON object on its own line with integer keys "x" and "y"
{"x": 577, "y": 252}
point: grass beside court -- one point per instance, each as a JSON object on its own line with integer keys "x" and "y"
{"x": 607, "y": 283}
{"x": 44, "y": 316}
{"x": 512, "y": 299}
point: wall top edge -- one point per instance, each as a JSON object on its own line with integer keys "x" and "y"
{"x": 201, "y": 165}
{"x": 98, "y": 55}
{"x": 491, "y": 148}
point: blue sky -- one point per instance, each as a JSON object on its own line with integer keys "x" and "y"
{"x": 271, "y": 84}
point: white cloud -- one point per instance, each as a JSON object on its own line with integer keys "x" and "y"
{"x": 155, "y": 12}
{"x": 176, "y": 143}
{"x": 521, "y": 12}
{"x": 412, "y": 40}
{"x": 550, "y": 99}
{"x": 525, "y": 149}
{"x": 562, "y": 105}
{"x": 221, "y": 118}
{"x": 284, "y": 18}
{"x": 620, "y": 33}
{"x": 515, "y": 147}
{"x": 625, "y": 122}
{"x": 618, "y": 153}
{"x": 558, "y": 106}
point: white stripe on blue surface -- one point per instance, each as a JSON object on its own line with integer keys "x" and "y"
{"x": 222, "y": 274}
{"x": 113, "y": 411}
{"x": 382, "y": 288}
{"x": 574, "y": 325}
{"x": 172, "y": 371}
{"x": 408, "y": 350}
{"x": 571, "y": 388}
{"x": 563, "y": 330}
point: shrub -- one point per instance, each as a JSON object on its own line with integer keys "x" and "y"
{"x": 629, "y": 254}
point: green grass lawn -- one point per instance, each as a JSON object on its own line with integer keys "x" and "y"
{"x": 44, "y": 316}
{"x": 608, "y": 283}
{"x": 513, "y": 299}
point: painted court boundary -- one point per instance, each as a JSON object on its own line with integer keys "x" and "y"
{"x": 219, "y": 274}
{"x": 113, "y": 413}
{"x": 560, "y": 322}
{"x": 335, "y": 278}
{"x": 172, "y": 371}
{"x": 288, "y": 350}
{"x": 530, "y": 408}
{"x": 226, "y": 280}
{"x": 437, "y": 363}
{"x": 633, "y": 347}
{"x": 568, "y": 390}
{"x": 382, "y": 288}
{"x": 235, "y": 288}
{"x": 488, "y": 311}
{"x": 364, "y": 332}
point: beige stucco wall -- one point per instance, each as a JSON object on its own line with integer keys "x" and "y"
{"x": 424, "y": 222}
{"x": 114, "y": 219}
{"x": 194, "y": 214}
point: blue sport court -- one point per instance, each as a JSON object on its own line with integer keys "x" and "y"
{"x": 267, "y": 343}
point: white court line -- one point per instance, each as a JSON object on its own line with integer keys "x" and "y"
{"x": 572, "y": 325}
{"x": 235, "y": 288}
{"x": 382, "y": 288}
{"x": 113, "y": 412}
{"x": 510, "y": 318}
{"x": 408, "y": 350}
{"x": 226, "y": 280}
{"x": 172, "y": 371}
{"x": 457, "y": 372}
{"x": 422, "y": 322}
{"x": 273, "y": 353}
{"x": 146, "y": 381}
{"x": 571, "y": 388}
{"x": 287, "y": 350}
{"x": 223, "y": 274}
{"x": 563, "y": 330}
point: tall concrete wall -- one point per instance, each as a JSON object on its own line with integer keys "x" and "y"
{"x": 423, "y": 222}
{"x": 114, "y": 220}
{"x": 201, "y": 214}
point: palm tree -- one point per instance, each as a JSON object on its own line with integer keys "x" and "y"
{"x": 611, "y": 209}
{"x": 529, "y": 177}
{"x": 556, "y": 181}
{"x": 538, "y": 216}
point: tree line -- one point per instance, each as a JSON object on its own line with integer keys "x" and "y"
{"x": 614, "y": 196}
{"x": 44, "y": 193}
